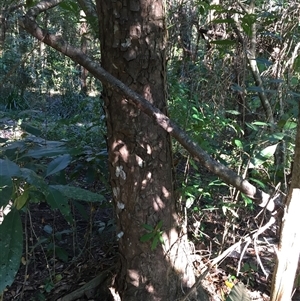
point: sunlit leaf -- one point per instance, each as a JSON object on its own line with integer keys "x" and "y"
{"x": 289, "y": 125}
{"x": 238, "y": 143}
{"x": 260, "y": 123}
{"x": 233, "y": 112}
{"x": 263, "y": 156}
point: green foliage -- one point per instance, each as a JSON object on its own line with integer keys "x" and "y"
{"x": 11, "y": 245}
{"x": 154, "y": 235}
{"x": 30, "y": 171}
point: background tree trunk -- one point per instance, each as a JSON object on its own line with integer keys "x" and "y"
{"x": 133, "y": 44}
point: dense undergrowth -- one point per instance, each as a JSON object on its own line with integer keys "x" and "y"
{"x": 53, "y": 145}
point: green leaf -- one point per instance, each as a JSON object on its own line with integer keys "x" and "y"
{"x": 148, "y": 227}
{"x": 30, "y": 129}
{"x": 46, "y": 152}
{"x": 32, "y": 178}
{"x": 159, "y": 225}
{"x": 161, "y": 239}
{"x": 58, "y": 164}
{"x": 221, "y": 21}
{"x": 223, "y": 42}
{"x": 233, "y": 112}
{"x": 263, "y": 156}
{"x": 21, "y": 200}
{"x": 9, "y": 168}
{"x": 238, "y": 293}
{"x": 11, "y": 246}
{"x": 238, "y": 143}
{"x": 6, "y": 190}
{"x": 276, "y": 137}
{"x": 258, "y": 182}
{"x": 154, "y": 242}
{"x": 78, "y": 193}
{"x": 58, "y": 201}
{"x": 147, "y": 236}
{"x": 260, "y": 123}
{"x": 69, "y": 6}
{"x": 289, "y": 125}
{"x": 61, "y": 254}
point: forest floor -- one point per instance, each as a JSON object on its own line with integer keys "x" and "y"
{"x": 64, "y": 263}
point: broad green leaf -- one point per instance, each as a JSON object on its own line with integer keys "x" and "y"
{"x": 58, "y": 201}
{"x": 6, "y": 190}
{"x": 263, "y": 156}
{"x": 269, "y": 151}
{"x": 9, "y": 168}
{"x": 21, "y": 200}
{"x": 238, "y": 293}
{"x": 289, "y": 125}
{"x": 46, "y": 152}
{"x": 61, "y": 254}
{"x": 148, "y": 227}
{"x": 32, "y": 178}
{"x": 58, "y": 164}
{"x": 11, "y": 246}
{"x": 238, "y": 143}
{"x": 147, "y": 236}
{"x": 251, "y": 126}
{"x": 30, "y": 129}
{"x": 78, "y": 193}
{"x": 276, "y": 137}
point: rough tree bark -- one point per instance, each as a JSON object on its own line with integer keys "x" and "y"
{"x": 133, "y": 41}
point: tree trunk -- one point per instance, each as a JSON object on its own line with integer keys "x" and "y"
{"x": 289, "y": 245}
{"x": 133, "y": 43}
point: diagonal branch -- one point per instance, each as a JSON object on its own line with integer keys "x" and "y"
{"x": 226, "y": 174}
